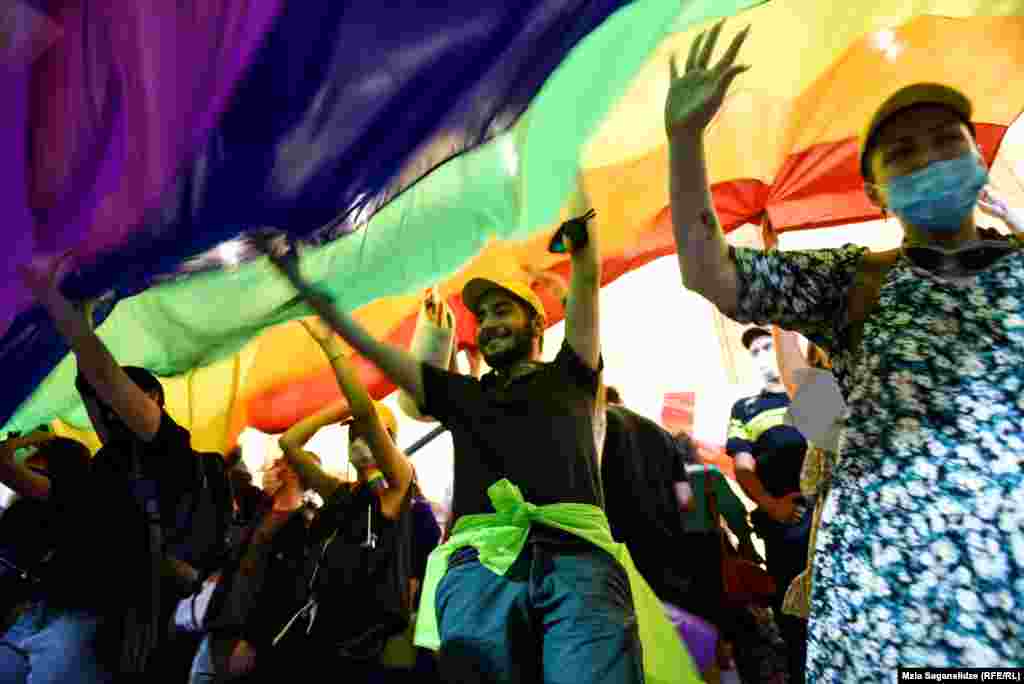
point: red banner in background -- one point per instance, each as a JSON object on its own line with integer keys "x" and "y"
{"x": 677, "y": 414}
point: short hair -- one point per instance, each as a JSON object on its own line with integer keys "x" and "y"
{"x": 687, "y": 447}
{"x": 67, "y": 460}
{"x": 751, "y": 334}
{"x": 146, "y": 381}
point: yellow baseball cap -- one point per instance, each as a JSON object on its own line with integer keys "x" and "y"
{"x": 476, "y": 288}
{"x": 912, "y": 96}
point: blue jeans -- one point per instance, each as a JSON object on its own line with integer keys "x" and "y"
{"x": 561, "y": 615}
{"x": 49, "y": 648}
{"x": 202, "y": 665}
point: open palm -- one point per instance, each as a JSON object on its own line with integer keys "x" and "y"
{"x": 695, "y": 96}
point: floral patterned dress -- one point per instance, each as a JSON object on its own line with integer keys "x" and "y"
{"x": 920, "y": 555}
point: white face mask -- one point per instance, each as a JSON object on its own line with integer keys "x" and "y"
{"x": 359, "y": 454}
{"x": 766, "y": 362}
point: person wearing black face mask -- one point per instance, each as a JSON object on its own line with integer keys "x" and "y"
{"x": 927, "y": 347}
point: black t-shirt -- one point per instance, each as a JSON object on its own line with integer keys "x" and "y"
{"x": 426, "y": 536}
{"x": 285, "y": 582}
{"x": 106, "y": 562}
{"x": 639, "y": 467}
{"x": 361, "y": 589}
{"x": 538, "y": 432}
{"x": 756, "y": 427}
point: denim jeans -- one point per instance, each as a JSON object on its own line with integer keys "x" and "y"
{"x": 50, "y": 648}
{"x": 560, "y": 615}
{"x": 202, "y": 665}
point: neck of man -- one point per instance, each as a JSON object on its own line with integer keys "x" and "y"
{"x": 774, "y": 386}
{"x": 517, "y": 368}
{"x": 920, "y": 237}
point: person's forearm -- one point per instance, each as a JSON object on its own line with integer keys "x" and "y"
{"x": 582, "y": 313}
{"x": 752, "y": 486}
{"x": 95, "y": 362}
{"x": 23, "y": 480}
{"x": 396, "y": 363}
{"x": 303, "y": 431}
{"x": 790, "y": 359}
{"x": 704, "y": 260}
{"x": 1015, "y": 222}
{"x": 359, "y": 402}
{"x": 732, "y": 509}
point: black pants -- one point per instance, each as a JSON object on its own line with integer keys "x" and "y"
{"x": 786, "y": 555}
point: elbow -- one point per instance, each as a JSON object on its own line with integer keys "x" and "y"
{"x": 287, "y": 444}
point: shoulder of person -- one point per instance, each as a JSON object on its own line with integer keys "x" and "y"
{"x": 871, "y": 272}
{"x": 878, "y": 262}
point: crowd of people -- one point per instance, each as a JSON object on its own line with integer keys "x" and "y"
{"x": 585, "y": 542}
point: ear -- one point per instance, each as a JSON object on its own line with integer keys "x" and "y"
{"x": 875, "y": 194}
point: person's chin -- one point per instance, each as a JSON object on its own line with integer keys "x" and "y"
{"x": 503, "y": 359}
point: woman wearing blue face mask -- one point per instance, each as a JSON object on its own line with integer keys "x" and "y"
{"x": 918, "y": 557}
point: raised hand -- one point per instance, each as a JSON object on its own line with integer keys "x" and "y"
{"x": 696, "y": 95}
{"x": 435, "y": 307}
{"x": 992, "y": 204}
{"x": 41, "y": 275}
{"x": 283, "y": 256}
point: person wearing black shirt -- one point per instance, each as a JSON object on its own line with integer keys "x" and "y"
{"x": 646, "y": 489}
{"x": 769, "y": 455}
{"x": 109, "y": 612}
{"x": 563, "y": 612}
{"x": 263, "y": 585}
{"x": 359, "y": 545}
{"x": 38, "y": 522}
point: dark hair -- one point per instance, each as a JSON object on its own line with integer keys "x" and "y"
{"x": 66, "y": 459}
{"x": 751, "y": 334}
{"x": 611, "y": 395}
{"x": 872, "y": 142}
{"x": 146, "y": 381}
{"x": 687, "y": 447}
{"x": 233, "y": 458}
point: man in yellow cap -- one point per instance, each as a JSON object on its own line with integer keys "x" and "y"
{"x": 554, "y": 606}
{"x": 922, "y": 530}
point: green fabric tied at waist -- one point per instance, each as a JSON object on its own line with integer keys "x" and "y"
{"x": 500, "y": 537}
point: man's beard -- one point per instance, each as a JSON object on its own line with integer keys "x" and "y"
{"x": 520, "y": 350}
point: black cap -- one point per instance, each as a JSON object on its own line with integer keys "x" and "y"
{"x": 751, "y": 334}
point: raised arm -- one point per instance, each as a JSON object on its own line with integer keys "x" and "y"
{"x": 305, "y": 465}
{"x": 399, "y": 365}
{"x": 433, "y": 342}
{"x": 365, "y": 419}
{"x": 140, "y": 413}
{"x": 19, "y": 477}
{"x": 582, "y": 320}
{"x": 791, "y": 360}
{"x": 694, "y": 98}
{"x": 995, "y": 206}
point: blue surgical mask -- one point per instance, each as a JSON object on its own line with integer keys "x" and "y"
{"x": 940, "y": 196}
